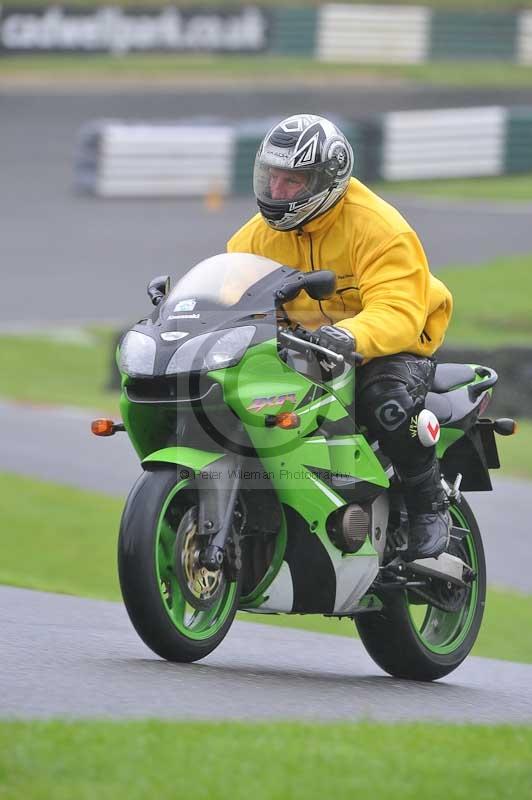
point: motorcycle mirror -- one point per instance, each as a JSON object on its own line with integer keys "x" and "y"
{"x": 318, "y": 285}
{"x": 158, "y": 288}
{"x": 291, "y": 289}
{"x": 321, "y": 284}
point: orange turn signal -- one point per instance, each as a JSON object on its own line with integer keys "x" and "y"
{"x": 287, "y": 420}
{"x": 103, "y": 427}
{"x": 505, "y": 426}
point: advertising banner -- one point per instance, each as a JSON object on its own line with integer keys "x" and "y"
{"x": 111, "y": 29}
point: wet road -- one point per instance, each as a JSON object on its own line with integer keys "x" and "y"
{"x": 91, "y": 664}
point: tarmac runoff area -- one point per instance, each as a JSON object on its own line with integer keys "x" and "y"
{"x": 70, "y": 258}
{"x": 91, "y": 664}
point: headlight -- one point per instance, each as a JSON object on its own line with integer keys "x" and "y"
{"x": 211, "y": 351}
{"x": 137, "y": 355}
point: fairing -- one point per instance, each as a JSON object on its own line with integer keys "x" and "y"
{"x": 311, "y": 471}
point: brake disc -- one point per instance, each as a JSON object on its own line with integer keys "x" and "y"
{"x": 201, "y": 587}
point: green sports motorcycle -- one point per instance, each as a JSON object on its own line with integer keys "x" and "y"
{"x": 260, "y": 492}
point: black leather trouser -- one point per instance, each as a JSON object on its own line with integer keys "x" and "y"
{"x": 390, "y": 393}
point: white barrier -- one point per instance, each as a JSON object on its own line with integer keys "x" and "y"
{"x": 373, "y": 34}
{"x": 524, "y": 38}
{"x": 120, "y": 159}
{"x": 181, "y": 159}
{"x": 444, "y": 144}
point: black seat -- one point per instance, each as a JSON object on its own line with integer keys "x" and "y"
{"x": 448, "y": 376}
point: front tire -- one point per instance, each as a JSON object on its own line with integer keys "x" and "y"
{"x": 177, "y": 625}
{"x": 420, "y": 641}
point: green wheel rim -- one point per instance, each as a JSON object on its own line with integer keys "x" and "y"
{"x": 440, "y": 631}
{"x": 190, "y": 622}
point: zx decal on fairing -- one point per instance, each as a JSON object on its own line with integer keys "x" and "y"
{"x": 262, "y": 402}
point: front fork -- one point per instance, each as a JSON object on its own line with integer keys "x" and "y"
{"x": 218, "y": 486}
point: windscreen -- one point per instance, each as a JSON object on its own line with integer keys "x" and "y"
{"x": 222, "y": 280}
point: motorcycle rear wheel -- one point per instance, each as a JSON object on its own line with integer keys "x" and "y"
{"x": 177, "y": 624}
{"x": 420, "y": 641}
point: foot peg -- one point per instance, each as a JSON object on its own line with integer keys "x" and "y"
{"x": 447, "y": 567}
{"x": 458, "y": 533}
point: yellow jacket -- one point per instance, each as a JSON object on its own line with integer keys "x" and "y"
{"x": 385, "y": 296}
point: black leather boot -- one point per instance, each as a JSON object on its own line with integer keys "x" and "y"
{"x": 429, "y": 519}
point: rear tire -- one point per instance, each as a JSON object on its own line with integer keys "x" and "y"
{"x": 164, "y": 618}
{"x": 422, "y": 642}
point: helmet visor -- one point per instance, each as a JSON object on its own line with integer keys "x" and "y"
{"x": 280, "y": 187}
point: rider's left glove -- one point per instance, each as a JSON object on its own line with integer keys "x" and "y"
{"x": 336, "y": 339}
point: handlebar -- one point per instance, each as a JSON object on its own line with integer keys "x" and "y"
{"x": 301, "y": 339}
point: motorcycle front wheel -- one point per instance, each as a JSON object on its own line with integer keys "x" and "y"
{"x": 181, "y": 610}
{"x": 414, "y": 639}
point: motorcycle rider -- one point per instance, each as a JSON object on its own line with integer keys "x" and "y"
{"x": 387, "y": 306}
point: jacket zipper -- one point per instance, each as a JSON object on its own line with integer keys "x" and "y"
{"x": 313, "y": 270}
{"x": 341, "y": 292}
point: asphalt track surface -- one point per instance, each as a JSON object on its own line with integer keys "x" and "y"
{"x": 69, "y": 657}
{"x": 64, "y": 257}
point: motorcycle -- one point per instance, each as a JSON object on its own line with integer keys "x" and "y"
{"x": 261, "y": 493}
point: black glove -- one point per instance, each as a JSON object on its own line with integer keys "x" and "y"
{"x": 335, "y": 339}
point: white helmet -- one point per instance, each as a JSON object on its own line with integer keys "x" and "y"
{"x": 315, "y": 151}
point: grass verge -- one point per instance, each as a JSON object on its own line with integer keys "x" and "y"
{"x": 491, "y": 303}
{"x": 261, "y": 69}
{"x": 64, "y": 540}
{"x": 502, "y": 188}
{"x": 70, "y": 368}
{"x": 58, "y": 539}
{"x": 206, "y": 761}
{"x": 516, "y": 452}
